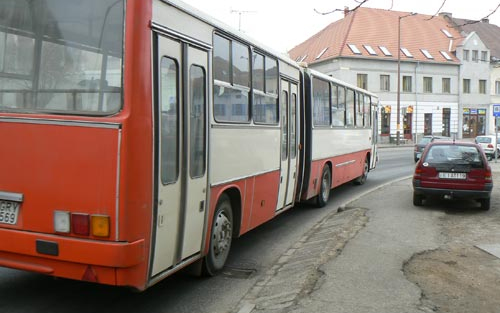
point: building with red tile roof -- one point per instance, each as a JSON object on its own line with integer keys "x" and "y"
{"x": 362, "y": 49}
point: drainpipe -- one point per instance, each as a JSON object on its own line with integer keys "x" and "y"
{"x": 460, "y": 112}
{"x": 415, "y": 138}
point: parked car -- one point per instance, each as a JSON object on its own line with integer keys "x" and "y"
{"x": 487, "y": 142}
{"x": 453, "y": 170}
{"x": 424, "y": 141}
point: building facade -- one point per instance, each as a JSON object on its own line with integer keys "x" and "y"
{"x": 445, "y": 75}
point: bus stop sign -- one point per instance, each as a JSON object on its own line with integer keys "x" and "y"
{"x": 496, "y": 110}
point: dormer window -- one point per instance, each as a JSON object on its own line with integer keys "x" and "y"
{"x": 446, "y": 56}
{"x": 321, "y": 53}
{"x": 407, "y": 52}
{"x": 447, "y": 33}
{"x": 354, "y": 49}
{"x": 427, "y": 54}
{"x": 370, "y": 50}
{"x": 385, "y": 51}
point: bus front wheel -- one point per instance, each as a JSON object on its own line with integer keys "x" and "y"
{"x": 220, "y": 237}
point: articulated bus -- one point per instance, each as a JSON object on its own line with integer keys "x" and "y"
{"x": 142, "y": 136}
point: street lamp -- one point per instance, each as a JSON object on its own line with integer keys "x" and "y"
{"x": 398, "y": 122}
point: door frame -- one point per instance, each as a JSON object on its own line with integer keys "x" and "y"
{"x": 183, "y": 137}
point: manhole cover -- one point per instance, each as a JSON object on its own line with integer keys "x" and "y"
{"x": 241, "y": 270}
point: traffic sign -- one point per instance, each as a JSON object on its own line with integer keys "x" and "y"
{"x": 496, "y": 110}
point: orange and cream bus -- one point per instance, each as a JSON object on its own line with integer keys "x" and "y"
{"x": 142, "y": 136}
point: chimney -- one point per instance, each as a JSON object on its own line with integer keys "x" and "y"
{"x": 485, "y": 20}
{"x": 445, "y": 14}
{"x": 346, "y": 11}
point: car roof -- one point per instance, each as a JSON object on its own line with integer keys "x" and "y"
{"x": 454, "y": 142}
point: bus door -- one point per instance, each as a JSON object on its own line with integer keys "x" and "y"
{"x": 181, "y": 140}
{"x": 289, "y": 159}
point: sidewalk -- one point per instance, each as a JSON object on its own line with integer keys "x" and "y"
{"x": 352, "y": 260}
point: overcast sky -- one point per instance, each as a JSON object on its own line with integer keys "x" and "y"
{"x": 282, "y": 24}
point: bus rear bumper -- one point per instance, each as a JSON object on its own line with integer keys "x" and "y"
{"x": 67, "y": 257}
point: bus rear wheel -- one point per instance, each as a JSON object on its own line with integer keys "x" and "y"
{"x": 220, "y": 237}
{"x": 324, "y": 189}
{"x": 362, "y": 179}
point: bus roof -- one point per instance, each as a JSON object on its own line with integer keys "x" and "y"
{"x": 221, "y": 26}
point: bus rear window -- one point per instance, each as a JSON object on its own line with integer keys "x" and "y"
{"x": 61, "y": 56}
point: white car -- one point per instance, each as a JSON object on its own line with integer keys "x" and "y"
{"x": 487, "y": 143}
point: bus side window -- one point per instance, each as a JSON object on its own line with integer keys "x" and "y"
{"x": 169, "y": 100}
{"x": 349, "y": 117}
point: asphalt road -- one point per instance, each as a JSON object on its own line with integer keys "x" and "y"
{"x": 251, "y": 256}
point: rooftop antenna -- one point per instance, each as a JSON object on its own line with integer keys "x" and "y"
{"x": 240, "y": 12}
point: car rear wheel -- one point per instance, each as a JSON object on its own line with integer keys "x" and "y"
{"x": 417, "y": 199}
{"x": 485, "y": 204}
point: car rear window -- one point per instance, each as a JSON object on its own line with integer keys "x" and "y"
{"x": 483, "y": 139}
{"x": 425, "y": 140}
{"x": 454, "y": 154}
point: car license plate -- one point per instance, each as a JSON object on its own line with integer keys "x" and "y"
{"x": 446, "y": 175}
{"x": 9, "y": 211}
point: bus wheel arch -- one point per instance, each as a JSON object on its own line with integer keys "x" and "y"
{"x": 325, "y": 185}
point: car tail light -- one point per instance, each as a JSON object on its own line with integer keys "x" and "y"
{"x": 487, "y": 174}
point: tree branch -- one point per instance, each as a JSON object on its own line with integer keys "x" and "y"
{"x": 360, "y": 3}
{"x": 439, "y": 10}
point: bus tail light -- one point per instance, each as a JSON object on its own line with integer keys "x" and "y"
{"x": 62, "y": 222}
{"x": 100, "y": 225}
{"x": 82, "y": 224}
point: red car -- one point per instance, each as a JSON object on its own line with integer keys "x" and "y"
{"x": 453, "y": 170}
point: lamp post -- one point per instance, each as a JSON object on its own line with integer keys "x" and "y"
{"x": 398, "y": 122}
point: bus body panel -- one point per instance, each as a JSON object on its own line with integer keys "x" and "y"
{"x": 258, "y": 198}
{"x": 59, "y": 167}
{"x": 239, "y": 151}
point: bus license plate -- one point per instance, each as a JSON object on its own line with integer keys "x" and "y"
{"x": 9, "y": 210}
{"x": 446, "y": 175}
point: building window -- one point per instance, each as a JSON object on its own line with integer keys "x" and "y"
{"x": 466, "y": 55}
{"x": 385, "y": 83}
{"x": 475, "y": 56}
{"x": 466, "y": 85}
{"x": 446, "y": 85}
{"x": 406, "y": 83}
{"x": 484, "y": 56}
{"x": 428, "y": 84}
{"x": 497, "y": 87}
{"x": 363, "y": 81}
{"x": 482, "y": 86}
